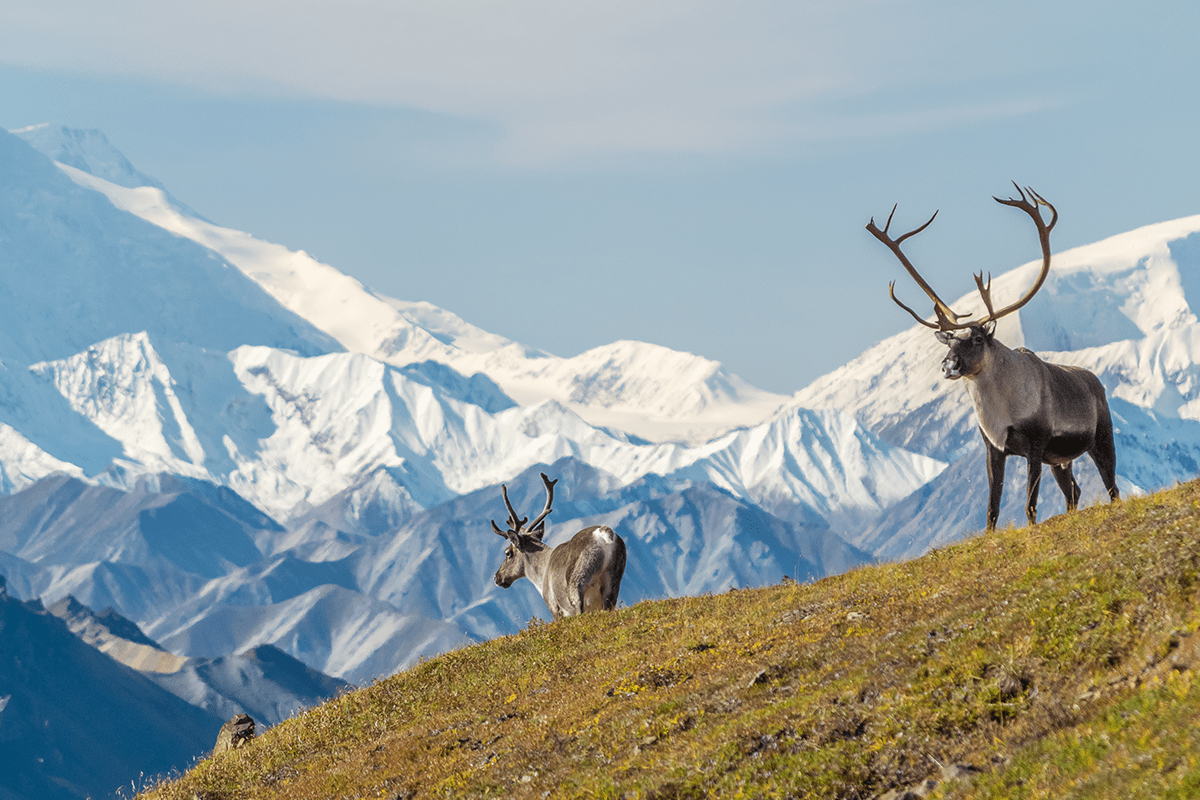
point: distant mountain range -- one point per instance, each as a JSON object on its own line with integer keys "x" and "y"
{"x": 75, "y": 723}
{"x": 241, "y": 450}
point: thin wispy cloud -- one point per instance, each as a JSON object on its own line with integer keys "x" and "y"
{"x": 558, "y": 80}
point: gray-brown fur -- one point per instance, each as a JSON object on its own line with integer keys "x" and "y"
{"x": 582, "y": 574}
{"x": 1046, "y": 413}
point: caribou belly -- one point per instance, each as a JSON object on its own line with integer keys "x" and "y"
{"x": 1030, "y": 400}
{"x": 1060, "y": 448}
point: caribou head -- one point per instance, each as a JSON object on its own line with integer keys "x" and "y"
{"x": 968, "y": 351}
{"x": 582, "y": 574}
{"x": 1047, "y": 413}
{"x": 523, "y": 540}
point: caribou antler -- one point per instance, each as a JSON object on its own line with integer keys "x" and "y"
{"x": 947, "y": 319}
{"x": 517, "y": 524}
{"x": 945, "y": 314}
{"x": 514, "y": 522}
{"x": 1030, "y": 208}
{"x": 541, "y": 518}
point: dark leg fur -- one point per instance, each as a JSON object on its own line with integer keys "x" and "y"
{"x": 1031, "y": 488}
{"x": 1066, "y": 482}
{"x": 610, "y": 600}
{"x": 995, "y": 471}
{"x": 1105, "y": 456}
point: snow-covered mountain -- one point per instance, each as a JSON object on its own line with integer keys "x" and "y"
{"x": 239, "y": 477}
{"x": 236, "y": 446}
{"x": 646, "y": 390}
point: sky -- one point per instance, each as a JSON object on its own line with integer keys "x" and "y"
{"x": 692, "y": 173}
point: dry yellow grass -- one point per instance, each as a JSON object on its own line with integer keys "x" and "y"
{"x": 1058, "y": 659}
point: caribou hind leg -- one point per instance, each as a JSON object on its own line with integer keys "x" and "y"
{"x": 613, "y": 586}
{"x": 1066, "y": 482}
{"x": 1105, "y": 456}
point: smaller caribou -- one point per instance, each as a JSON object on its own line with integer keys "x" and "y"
{"x": 582, "y": 574}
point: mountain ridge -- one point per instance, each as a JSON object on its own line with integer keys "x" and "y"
{"x": 67, "y": 709}
{"x": 392, "y": 331}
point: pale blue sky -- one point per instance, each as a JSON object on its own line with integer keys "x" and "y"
{"x": 686, "y": 172}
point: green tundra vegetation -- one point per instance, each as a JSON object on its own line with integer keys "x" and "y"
{"x": 1054, "y": 661}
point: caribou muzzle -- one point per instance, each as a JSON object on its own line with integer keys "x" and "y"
{"x": 951, "y": 370}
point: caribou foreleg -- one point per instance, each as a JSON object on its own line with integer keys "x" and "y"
{"x": 995, "y": 471}
{"x": 1032, "y": 487}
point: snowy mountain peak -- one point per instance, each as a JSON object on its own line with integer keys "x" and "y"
{"x": 124, "y": 387}
{"x": 74, "y": 271}
{"x": 647, "y": 390}
{"x": 85, "y": 149}
{"x": 1125, "y": 287}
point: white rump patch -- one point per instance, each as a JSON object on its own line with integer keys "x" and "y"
{"x": 604, "y": 534}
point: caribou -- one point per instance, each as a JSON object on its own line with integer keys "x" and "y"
{"x": 581, "y": 574}
{"x": 1047, "y": 413}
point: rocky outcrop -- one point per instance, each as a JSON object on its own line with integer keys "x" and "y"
{"x": 234, "y": 734}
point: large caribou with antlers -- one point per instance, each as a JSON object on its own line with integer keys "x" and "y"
{"x": 1047, "y": 413}
{"x": 582, "y": 574}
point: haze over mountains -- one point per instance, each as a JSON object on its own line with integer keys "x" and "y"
{"x": 235, "y": 446}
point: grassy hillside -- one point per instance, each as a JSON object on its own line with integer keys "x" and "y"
{"x": 1058, "y": 661}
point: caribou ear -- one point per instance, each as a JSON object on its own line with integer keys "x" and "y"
{"x": 945, "y": 337}
{"x": 989, "y": 329}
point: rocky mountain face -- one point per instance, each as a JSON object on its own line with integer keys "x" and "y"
{"x": 75, "y": 723}
{"x": 264, "y": 681}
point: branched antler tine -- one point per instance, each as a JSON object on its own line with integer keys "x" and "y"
{"x": 985, "y": 291}
{"x": 945, "y": 314}
{"x": 1030, "y": 206}
{"x": 947, "y": 324}
{"x": 914, "y": 231}
{"x": 1042, "y": 201}
{"x": 915, "y": 315}
{"x": 1022, "y": 204}
{"x": 514, "y": 521}
{"x": 540, "y": 520}
{"x": 496, "y": 528}
{"x": 1043, "y": 228}
{"x": 871, "y": 226}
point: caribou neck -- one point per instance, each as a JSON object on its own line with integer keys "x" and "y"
{"x": 537, "y": 562}
{"x": 1004, "y": 391}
